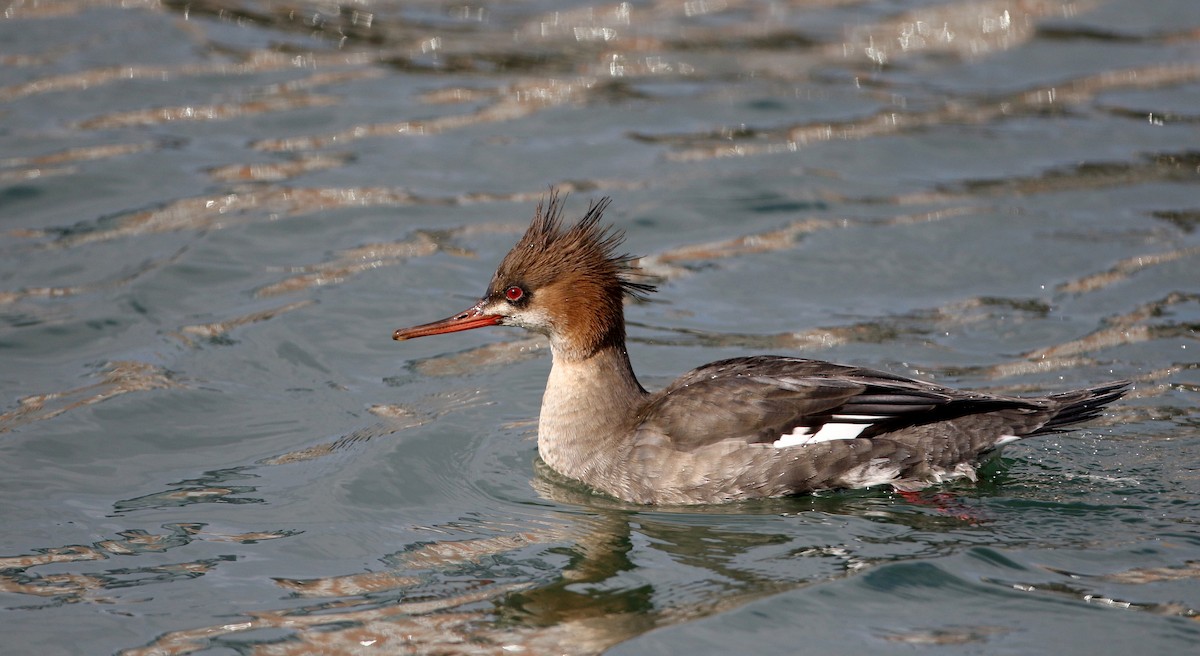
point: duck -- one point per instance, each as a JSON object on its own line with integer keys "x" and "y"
{"x": 737, "y": 429}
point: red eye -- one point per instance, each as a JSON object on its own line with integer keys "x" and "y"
{"x": 514, "y": 293}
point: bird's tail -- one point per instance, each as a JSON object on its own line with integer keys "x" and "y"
{"x": 1082, "y": 405}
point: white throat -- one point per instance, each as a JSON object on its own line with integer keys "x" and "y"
{"x": 586, "y": 413}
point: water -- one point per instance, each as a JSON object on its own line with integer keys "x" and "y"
{"x": 215, "y": 213}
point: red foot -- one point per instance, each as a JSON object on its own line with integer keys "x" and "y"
{"x": 945, "y": 503}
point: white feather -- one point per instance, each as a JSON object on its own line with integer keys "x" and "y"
{"x": 1005, "y": 439}
{"x": 874, "y": 472}
{"x": 834, "y": 430}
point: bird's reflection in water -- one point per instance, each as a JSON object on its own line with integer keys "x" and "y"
{"x": 593, "y": 573}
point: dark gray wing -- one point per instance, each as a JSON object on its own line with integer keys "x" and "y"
{"x": 765, "y": 398}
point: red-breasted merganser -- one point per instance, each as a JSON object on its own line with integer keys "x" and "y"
{"x": 742, "y": 428}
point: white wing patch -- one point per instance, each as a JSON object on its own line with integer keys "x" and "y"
{"x": 1005, "y": 439}
{"x": 850, "y": 427}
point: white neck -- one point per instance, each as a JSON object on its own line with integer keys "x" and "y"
{"x": 587, "y": 411}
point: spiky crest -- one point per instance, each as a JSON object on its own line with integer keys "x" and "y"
{"x": 548, "y": 251}
{"x": 575, "y": 272}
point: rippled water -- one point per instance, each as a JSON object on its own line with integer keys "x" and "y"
{"x": 214, "y": 213}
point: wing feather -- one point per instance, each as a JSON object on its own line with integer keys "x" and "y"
{"x": 765, "y": 398}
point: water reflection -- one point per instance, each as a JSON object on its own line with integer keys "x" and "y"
{"x": 574, "y": 574}
{"x": 578, "y": 581}
{"x": 17, "y": 573}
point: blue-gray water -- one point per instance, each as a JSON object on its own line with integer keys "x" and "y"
{"x": 213, "y": 215}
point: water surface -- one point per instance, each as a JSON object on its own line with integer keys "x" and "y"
{"x": 215, "y": 213}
